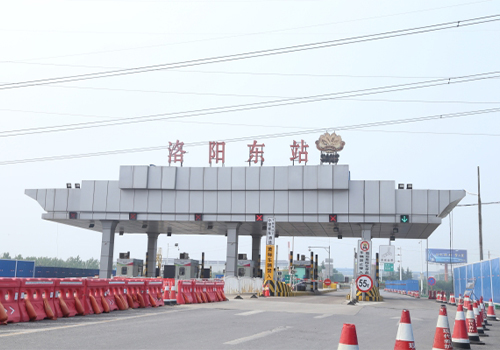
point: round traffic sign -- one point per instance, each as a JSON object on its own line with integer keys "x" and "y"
{"x": 327, "y": 282}
{"x": 431, "y": 281}
{"x": 364, "y": 283}
{"x": 364, "y": 246}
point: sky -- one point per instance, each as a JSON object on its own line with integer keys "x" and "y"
{"x": 52, "y": 39}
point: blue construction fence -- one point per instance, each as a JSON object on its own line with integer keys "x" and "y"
{"x": 486, "y": 275}
{"x": 406, "y": 285}
{"x": 21, "y": 268}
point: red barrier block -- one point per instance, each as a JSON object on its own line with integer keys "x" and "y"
{"x": 115, "y": 295}
{"x": 154, "y": 287}
{"x": 37, "y": 299}
{"x": 184, "y": 292}
{"x": 210, "y": 291}
{"x": 96, "y": 302}
{"x": 70, "y": 298}
{"x": 219, "y": 287}
{"x": 9, "y": 298}
{"x": 137, "y": 289}
{"x": 198, "y": 291}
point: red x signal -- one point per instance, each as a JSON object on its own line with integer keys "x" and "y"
{"x": 132, "y": 216}
{"x": 333, "y": 218}
{"x": 259, "y": 217}
{"x": 198, "y": 217}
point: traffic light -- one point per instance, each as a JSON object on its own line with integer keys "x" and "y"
{"x": 405, "y": 218}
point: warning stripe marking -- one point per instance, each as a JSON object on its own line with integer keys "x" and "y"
{"x": 248, "y": 313}
{"x": 258, "y": 335}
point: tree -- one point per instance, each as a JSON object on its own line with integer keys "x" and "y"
{"x": 6, "y": 256}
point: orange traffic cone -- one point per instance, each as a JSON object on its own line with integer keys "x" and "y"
{"x": 348, "y": 338}
{"x": 460, "y": 339}
{"x": 479, "y": 320}
{"x": 442, "y": 338}
{"x": 404, "y": 337}
{"x": 460, "y": 300}
{"x": 472, "y": 328}
{"x": 452, "y": 299}
{"x": 491, "y": 311}
{"x": 466, "y": 303}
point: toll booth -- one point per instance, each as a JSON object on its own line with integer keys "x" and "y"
{"x": 186, "y": 268}
{"x": 129, "y": 267}
{"x": 245, "y": 268}
{"x": 302, "y": 269}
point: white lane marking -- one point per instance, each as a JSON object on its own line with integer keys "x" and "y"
{"x": 323, "y": 316}
{"x": 86, "y": 324}
{"x": 258, "y": 335}
{"x": 412, "y": 318}
{"x": 248, "y": 313}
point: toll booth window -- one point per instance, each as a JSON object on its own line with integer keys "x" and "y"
{"x": 241, "y": 271}
{"x": 124, "y": 270}
{"x": 182, "y": 271}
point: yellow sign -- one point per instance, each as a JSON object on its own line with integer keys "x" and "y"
{"x": 269, "y": 271}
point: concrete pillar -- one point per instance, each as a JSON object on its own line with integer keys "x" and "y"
{"x": 152, "y": 248}
{"x": 232, "y": 249}
{"x": 107, "y": 246}
{"x": 366, "y": 231}
{"x": 256, "y": 239}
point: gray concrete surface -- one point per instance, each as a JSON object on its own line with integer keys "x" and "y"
{"x": 265, "y": 323}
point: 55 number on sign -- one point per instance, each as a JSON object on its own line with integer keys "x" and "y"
{"x": 364, "y": 283}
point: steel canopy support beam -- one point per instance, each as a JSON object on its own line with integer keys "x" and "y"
{"x": 107, "y": 247}
{"x": 232, "y": 249}
{"x": 152, "y": 248}
{"x": 256, "y": 239}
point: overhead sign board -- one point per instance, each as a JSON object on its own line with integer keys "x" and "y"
{"x": 364, "y": 257}
{"x": 387, "y": 254}
{"x": 447, "y": 256}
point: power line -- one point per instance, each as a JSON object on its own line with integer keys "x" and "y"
{"x": 475, "y": 204}
{"x": 254, "y": 54}
{"x": 257, "y": 33}
{"x": 262, "y": 96}
{"x": 245, "y": 138}
{"x": 252, "y": 106}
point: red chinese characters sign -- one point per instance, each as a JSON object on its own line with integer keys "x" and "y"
{"x": 256, "y": 153}
{"x": 299, "y": 151}
{"x": 216, "y": 152}
{"x": 175, "y": 152}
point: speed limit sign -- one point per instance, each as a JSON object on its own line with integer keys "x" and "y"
{"x": 364, "y": 283}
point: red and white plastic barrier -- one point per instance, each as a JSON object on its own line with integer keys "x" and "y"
{"x": 37, "y": 299}
{"x": 70, "y": 297}
{"x": 33, "y": 299}
{"x": 9, "y": 298}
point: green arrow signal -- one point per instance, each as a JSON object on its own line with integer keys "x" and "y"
{"x": 405, "y": 218}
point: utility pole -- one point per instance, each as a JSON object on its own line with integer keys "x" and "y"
{"x": 480, "y": 216}
{"x": 400, "y": 263}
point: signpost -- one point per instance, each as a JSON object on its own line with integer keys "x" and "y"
{"x": 327, "y": 282}
{"x": 364, "y": 283}
{"x": 388, "y": 267}
{"x": 269, "y": 273}
{"x": 364, "y": 257}
{"x": 387, "y": 254}
{"x": 431, "y": 281}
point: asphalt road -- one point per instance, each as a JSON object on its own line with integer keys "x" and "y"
{"x": 306, "y": 322}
